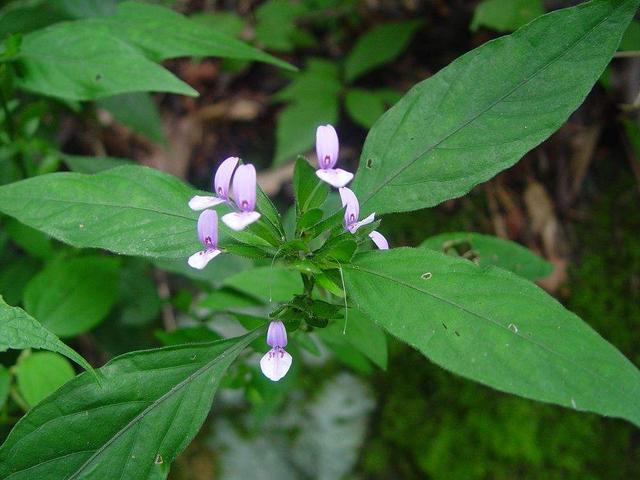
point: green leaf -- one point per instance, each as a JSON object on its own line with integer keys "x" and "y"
{"x": 228, "y": 299}
{"x": 494, "y": 327}
{"x": 277, "y": 284}
{"x": 82, "y": 60}
{"x": 138, "y": 300}
{"x": 186, "y": 335}
{"x": 149, "y": 407}
{"x": 5, "y": 385}
{"x": 363, "y": 335}
{"x": 86, "y": 164}
{"x": 483, "y": 112}
{"x": 19, "y": 330}
{"x": 14, "y": 277}
{"x": 488, "y": 250}
{"x": 227, "y": 23}
{"x": 379, "y": 46}
{"x": 40, "y": 374}
{"x": 314, "y": 96}
{"x": 275, "y": 24}
{"x": 505, "y": 15}
{"x": 73, "y": 295}
{"x": 131, "y": 210}
{"x": 163, "y": 34}
{"x": 137, "y": 111}
{"x": 631, "y": 39}
{"x": 364, "y": 106}
{"x": 309, "y": 191}
{"x": 31, "y": 241}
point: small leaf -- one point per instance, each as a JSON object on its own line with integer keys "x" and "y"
{"x": 150, "y": 406}
{"x": 268, "y": 284}
{"x": 309, "y": 191}
{"x": 505, "y": 15}
{"x": 73, "y": 295}
{"x": 275, "y": 24}
{"x": 137, "y": 111}
{"x": 5, "y": 385}
{"x": 40, "y": 374}
{"x": 483, "y": 112}
{"x": 364, "y": 106}
{"x": 378, "y": 46}
{"x": 309, "y": 218}
{"x": 494, "y": 327}
{"x": 18, "y": 330}
{"x": 488, "y": 250}
{"x": 314, "y": 96}
{"x": 363, "y": 335}
{"x": 30, "y": 240}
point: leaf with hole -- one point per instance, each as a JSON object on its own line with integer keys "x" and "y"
{"x": 483, "y": 112}
{"x": 494, "y": 327}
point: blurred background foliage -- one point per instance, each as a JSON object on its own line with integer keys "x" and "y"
{"x": 573, "y": 200}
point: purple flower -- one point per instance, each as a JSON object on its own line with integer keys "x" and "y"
{"x": 221, "y": 183}
{"x": 244, "y": 196}
{"x": 276, "y": 362}
{"x": 208, "y": 235}
{"x": 327, "y": 147}
{"x": 351, "y": 214}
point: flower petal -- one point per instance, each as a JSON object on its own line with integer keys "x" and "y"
{"x": 335, "y": 177}
{"x": 379, "y": 240}
{"x": 327, "y": 146}
{"x": 244, "y": 188}
{"x": 200, "y": 202}
{"x": 239, "y": 220}
{"x": 199, "y": 260}
{"x": 277, "y": 334}
{"x": 222, "y": 179}
{"x": 208, "y": 229}
{"x": 275, "y": 364}
{"x": 353, "y": 228}
{"x": 351, "y": 207}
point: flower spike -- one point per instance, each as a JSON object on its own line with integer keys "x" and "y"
{"x": 244, "y": 196}
{"x": 327, "y": 147}
{"x": 352, "y": 212}
{"x": 221, "y": 183}
{"x": 208, "y": 235}
{"x": 276, "y": 362}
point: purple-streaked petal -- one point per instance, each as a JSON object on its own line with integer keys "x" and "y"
{"x": 354, "y": 228}
{"x": 275, "y": 364}
{"x": 208, "y": 229}
{"x": 327, "y": 146}
{"x": 222, "y": 179}
{"x": 240, "y": 220}
{"x": 379, "y": 240}
{"x": 277, "y": 334}
{"x": 244, "y": 188}
{"x": 335, "y": 177}
{"x": 351, "y": 207}
{"x": 199, "y": 260}
{"x": 200, "y": 202}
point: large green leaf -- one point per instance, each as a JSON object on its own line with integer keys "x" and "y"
{"x": 494, "y": 327}
{"x": 73, "y": 295}
{"x": 131, "y": 210}
{"x": 163, "y": 33}
{"x": 149, "y": 407}
{"x": 83, "y": 60}
{"x": 483, "y": 112}
{"x": 488, "y": 250}
{"x": 19, "y": 330}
